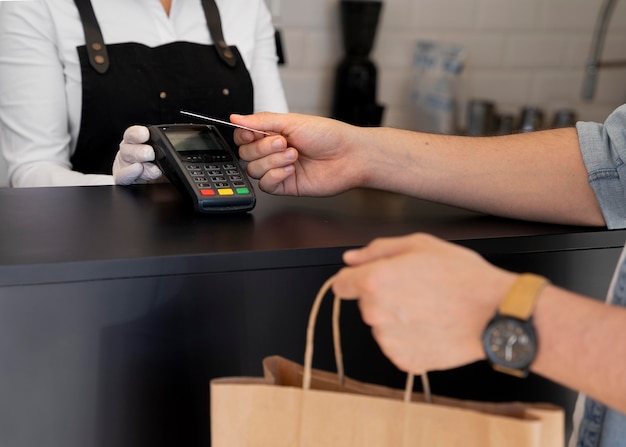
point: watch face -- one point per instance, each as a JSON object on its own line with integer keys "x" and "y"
{"x": 510, "y": 342}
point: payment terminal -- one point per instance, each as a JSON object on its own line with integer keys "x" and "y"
{"x": 197, "y": 159}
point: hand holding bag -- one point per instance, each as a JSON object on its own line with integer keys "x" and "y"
{"x": 298, "y": 406}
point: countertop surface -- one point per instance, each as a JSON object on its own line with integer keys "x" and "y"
{"x": 42, "y": 227}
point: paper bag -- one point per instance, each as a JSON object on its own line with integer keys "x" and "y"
{"x": 297, "y": 406}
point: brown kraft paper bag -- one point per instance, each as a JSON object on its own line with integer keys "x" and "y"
{"x": 297, "y": 406}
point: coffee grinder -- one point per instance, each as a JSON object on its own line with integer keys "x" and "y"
{"x": 354, "y": 98}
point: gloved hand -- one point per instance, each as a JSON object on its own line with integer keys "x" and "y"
{"x": 132, "y": 161}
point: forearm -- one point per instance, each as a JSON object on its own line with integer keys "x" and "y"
{"x": 582, "y": 345}
{"x": 50, "y": 174}
{"x": 538, "y": 176}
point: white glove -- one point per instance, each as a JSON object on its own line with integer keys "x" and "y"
{"x": 132, "y": 161}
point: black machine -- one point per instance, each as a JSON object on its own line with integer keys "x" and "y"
{"x": 197, "y": 159}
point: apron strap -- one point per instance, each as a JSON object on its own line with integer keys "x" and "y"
{"x": 96, "y": 50}
{"x": 214, "y": 22}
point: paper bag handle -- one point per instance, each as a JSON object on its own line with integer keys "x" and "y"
{"x": 308, "y": 351}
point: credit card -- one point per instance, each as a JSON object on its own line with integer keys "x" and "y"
{"x": 226, "y": 123}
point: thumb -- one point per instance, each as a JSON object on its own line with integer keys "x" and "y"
{"x": 381, "y": 248}
{"x": 265, "y": 121}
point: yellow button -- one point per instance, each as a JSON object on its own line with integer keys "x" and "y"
{"x": 225, "y": 192}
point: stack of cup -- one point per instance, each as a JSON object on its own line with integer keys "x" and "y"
{"x": 481, "y": 117}
{"x": 531, "y": 119}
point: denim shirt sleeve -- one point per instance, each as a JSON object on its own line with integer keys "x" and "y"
{"x": 603, "y": 148}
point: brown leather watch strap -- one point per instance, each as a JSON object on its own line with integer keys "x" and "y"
{"x": 520, "y": 301}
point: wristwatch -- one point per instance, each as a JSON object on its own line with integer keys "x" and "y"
{"x": 510, "y": 340}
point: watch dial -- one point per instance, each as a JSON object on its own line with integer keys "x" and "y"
{"x": 510, "y": 342}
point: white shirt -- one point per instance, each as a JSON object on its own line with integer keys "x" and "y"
{"x": 40, "y": 80}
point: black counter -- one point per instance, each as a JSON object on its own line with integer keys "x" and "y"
{"x": 119, "y": 304}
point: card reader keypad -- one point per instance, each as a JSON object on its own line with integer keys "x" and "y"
{"x": 216, "y": 175}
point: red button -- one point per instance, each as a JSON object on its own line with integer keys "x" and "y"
{"x": 207, "y": 192}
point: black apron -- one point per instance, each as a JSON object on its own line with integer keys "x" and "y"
{"x": 130, "y": 83}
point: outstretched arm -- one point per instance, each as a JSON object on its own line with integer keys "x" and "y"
{"x": 535, "y": 176}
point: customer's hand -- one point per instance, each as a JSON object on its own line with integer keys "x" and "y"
{"x": 426, "y": 300}
{"x": 307, "y": 156}
{"x": 133, "y": 160}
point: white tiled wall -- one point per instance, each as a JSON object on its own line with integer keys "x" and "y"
{"x": 520, "y": 52}
{"x": 4, "y": 177}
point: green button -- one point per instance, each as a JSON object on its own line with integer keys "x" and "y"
{"x": 243, "y": 191}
